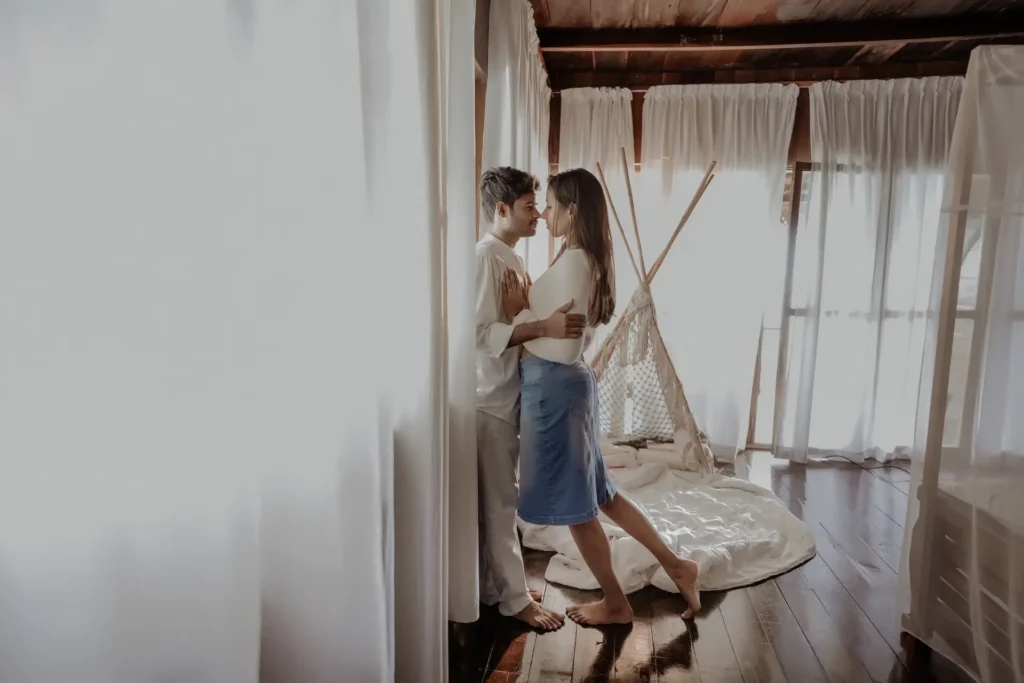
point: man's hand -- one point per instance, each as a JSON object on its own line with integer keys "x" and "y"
{"x": 513, "y": 294}
{"x": 564, "y": 325}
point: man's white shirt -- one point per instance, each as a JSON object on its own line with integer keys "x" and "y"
{"x": 497, "y": 366}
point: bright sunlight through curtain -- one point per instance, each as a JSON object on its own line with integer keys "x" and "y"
{"x": 713, "y": 288}
{"x": 861, "y": 273}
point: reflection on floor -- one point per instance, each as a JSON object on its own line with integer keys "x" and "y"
{"x": 831, "y": 620}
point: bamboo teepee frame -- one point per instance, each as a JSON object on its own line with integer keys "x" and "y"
{"x": 644, "y": 277}
{"x": 636, "y": 341}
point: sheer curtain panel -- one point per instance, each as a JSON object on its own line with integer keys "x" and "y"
{"x": 860, "y": 274}
{"x": 219, "y": 461}
{"x": 712, "y": 290}
{"x": 459, "y": 192}
{"x": 517, "y": 109}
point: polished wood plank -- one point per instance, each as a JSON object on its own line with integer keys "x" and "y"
{"x": 861, "y": 636}
{"x": 794, "y": 652}
{"x": 753, "y": 647}
{"x": 895, "y": 475}
{"x": 553, "y": 654}
{"x": 511, "y": 650}
{"x": 827, "y": 640}
{"x": 595, "y": 655}
{"x": 511, "y": 655}
{"x": 831, "y": 620}
{"x": 673, "y": 647}
{"x": 871, "y": 535}
{"x": 635, "y": 646}
{"x": 871, "y": 588}
{"x": 712, "y": 646}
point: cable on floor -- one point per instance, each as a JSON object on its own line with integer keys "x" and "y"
{"x": 880, "y": 466}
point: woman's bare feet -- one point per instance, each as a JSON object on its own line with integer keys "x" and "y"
{"x": 540, "y": 617}
{"x": 685, "y": 575}
{"x": 537, "y": 597}
{"x": 601, "y": 612}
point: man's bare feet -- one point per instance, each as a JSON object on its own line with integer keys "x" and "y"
{"x": 599, "y": 613}
{"x": 537, "y": 597}
{"x": 540, "y": 617}
{"x": 685, "y": 575}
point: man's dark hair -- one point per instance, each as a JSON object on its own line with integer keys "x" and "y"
{"x": 506, "y": 185}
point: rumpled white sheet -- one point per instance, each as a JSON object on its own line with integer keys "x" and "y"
{"x": 739, "y": 533}
{"x": 618, "y": 456}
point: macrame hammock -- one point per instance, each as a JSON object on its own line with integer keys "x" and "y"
{"x": 639, "y": 393}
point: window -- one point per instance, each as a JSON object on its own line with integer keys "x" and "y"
{"x": 906, "y": 297}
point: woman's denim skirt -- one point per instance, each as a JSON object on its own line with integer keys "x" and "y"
{"x": 562, "y": 477}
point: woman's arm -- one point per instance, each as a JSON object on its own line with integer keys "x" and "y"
{"x": 559, "y": 325}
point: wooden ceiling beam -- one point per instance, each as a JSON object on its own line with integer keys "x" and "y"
{"x": 541, "y": 12}
{"x": 640, "y": 81}
{"x": 875, "y": 54}
{"x": 781, "y": 36}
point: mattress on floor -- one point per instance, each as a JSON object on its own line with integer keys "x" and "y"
{"x": 738, "y": 532}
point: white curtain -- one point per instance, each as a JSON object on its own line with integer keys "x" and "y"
{"x": 517, "y": 109}
{"x": 965, "y": 519}
{"x": 458, "y": 314}
{"x": 220, "y": 459}
{"x": 596, "y": 125}
{"x": 713, "y": 289}
{"x": 861, "y": 272}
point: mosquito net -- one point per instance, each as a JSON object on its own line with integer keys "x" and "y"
{"x": 962, "y": 572}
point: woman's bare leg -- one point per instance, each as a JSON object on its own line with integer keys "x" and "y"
{"x": 684, "y": 573}
{"x": 614, "y": 608}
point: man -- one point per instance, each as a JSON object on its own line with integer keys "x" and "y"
{"x": 509, "y": 200}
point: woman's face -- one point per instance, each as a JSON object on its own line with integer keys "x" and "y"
{"x": 555, "y": 215}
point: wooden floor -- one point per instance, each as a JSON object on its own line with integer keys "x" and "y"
{"x": 831, "y": 620}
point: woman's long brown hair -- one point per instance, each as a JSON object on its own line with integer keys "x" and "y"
{"x": 579, "y": 192}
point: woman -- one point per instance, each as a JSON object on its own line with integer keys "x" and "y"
{"x": 563, "y": 478}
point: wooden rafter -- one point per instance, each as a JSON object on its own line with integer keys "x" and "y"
{"x": 640, "y": 81}
{"x": 779, "y": 37}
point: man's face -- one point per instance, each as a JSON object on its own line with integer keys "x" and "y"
{"x": 524, "y": 216}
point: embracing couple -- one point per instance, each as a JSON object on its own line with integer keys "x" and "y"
{"x": 538, "y": 437}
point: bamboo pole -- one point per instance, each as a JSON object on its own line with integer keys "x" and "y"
{"x": 632, "y": 213}
{"x": 708, "y": 177}
{"x": 615, "y": 214}
{"x": 600, "y": 359}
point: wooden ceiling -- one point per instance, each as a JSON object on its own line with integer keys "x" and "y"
{"x": 640, "y": 43}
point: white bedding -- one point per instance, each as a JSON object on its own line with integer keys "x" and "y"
{"x": 739, "y": 533}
